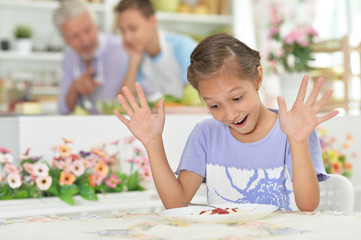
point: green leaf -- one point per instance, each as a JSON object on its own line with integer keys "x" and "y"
{"x": 54, "y": 189}
{"x": 4, "y": 190}
{"x": 87, "y": 192}
{"x": 8, "y": 197}
{"x": 21, "y": 194}
{"x": 68, "y": 198}
{"x": 133, "y": 182}
{"x": 69, "y": 189}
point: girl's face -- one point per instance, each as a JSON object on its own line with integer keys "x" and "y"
{"x": 233, "y": 101}
{"x": 137, "y": 30}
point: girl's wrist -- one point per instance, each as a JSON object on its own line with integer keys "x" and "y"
{"x": 154, "y": 143}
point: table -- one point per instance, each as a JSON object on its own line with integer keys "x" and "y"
{"x": 278, "y": 225}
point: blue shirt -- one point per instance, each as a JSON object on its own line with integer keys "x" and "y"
{"x": 110, "y": 66}
{"x": 166, "y": 73}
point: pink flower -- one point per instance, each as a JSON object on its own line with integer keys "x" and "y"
{"x": 296, "y": 36}
{"x": 273, "y": 31}
{"x": 4, "y": 150}
{"x": 25, "y": 155}
{"x": 11, "y": 169}
{"x": 2, "y": 177}
{"x": 146, "y": 174}
{"x": 311, "y": 31}
{"x": 138, "y": 151}
{"x": 44, "y": 182}
{"x": 77, "y": 168}
{"x": 112, "y": 181}
{"x": 14, "y": 180}
{"x": 129, "y": 140}
{"x": 41, "y": 169}
{"x": 142, "y": 162}
{"x": 29, "y": 168}
{"x": 89, "y": 162}
{"x": 275, "y": 19}
{"x": 98, "y": 178}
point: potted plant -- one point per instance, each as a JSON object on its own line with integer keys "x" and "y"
{"x": 290, "y": 53}
{"x": 23, "y": 34}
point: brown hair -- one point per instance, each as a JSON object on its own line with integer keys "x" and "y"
{"x": 144, "y": 6}
{"x": 222, "y": 52}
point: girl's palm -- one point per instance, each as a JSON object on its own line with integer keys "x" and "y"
{"x": 302, "y": 119}
{"x": 144, "y": 125}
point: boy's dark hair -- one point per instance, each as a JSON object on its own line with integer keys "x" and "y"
{"x": 222, "y": 52}
{"x": 144, "y": 6}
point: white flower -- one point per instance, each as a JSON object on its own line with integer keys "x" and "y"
{"x": 2, "y": 158}
{"x": 291, "y": 60}
{"x": 14, "y": 180}
{"x": 7, "y": 157}
{"x": 44, "y": 182}
{"x": 78, "y": 168}
{"x": 41, "y": 169}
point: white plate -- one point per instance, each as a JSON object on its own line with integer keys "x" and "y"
{"x": 191, "y": 213}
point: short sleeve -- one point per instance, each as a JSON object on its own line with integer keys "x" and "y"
{"x": 194, "y": 154}
{"x": 183, "y": 48}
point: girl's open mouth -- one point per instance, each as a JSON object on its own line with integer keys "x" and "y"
{"x": 242, "y": 122}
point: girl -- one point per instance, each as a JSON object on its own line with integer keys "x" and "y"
{"x": 247, "y": 153}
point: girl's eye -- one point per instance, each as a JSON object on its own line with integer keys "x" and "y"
{"x": 237, "y": 98}
{"x": 214, "y": 106}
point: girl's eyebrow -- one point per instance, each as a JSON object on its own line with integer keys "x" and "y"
{"x": 230, "y": 91}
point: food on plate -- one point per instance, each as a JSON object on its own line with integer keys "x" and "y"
{"x": 218, "y": 211}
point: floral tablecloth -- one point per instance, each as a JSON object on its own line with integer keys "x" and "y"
{"x": 278, "y": 225}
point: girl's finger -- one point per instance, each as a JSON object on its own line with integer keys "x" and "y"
{"x": 319, "y": 105}
{"x": 141, "y": 95}
{"x": 121, "y": 117}
{"x": 281, "y": 105}
{"x": 315, "y": 91}
{"x": 133, "y": 103}
{"x": 125, "y": 105}
{"x": 161, "y": 109}
{"x": 327, "y": 116}
{"x": 302, "y": 92}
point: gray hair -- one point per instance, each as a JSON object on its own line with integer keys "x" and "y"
{"x": 69, "y": 9}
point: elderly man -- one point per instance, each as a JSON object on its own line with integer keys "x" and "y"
{"x": 94, "y": 64}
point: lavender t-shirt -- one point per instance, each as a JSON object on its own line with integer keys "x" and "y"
{"x": 236, "y": 172}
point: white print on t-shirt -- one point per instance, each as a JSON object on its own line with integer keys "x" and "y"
{"x": 257, "y": 186}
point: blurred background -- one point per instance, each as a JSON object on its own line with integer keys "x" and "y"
{"x": 31, "y": 73}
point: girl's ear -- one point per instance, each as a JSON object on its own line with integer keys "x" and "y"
{"x": 259, "y": 77}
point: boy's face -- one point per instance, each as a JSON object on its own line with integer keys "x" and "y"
{"x": 81, "y": 33}
{"x": 232, "y": 101}
{"x": 136, "y": 29}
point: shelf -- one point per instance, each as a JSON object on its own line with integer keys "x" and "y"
{"x": 100, "y": 7}
{"x": 45, "y": 91}
{"x": 194, "y": 18}
{"x": 51, "y": 5}
{"x": 33, "y": 56}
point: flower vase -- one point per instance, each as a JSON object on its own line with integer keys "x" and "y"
{"x": 24, "y": 45}
{"x": 290, "y": 84}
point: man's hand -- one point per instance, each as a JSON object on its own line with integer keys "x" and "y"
{"x": 85, "y": 84}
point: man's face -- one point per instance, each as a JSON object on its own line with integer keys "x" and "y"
{"x": 80, "y": 32}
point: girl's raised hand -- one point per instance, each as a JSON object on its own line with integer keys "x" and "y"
{"x": 302, "y": 119}
{"x": 144, "y": 125}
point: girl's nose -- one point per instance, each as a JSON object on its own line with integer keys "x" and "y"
{"x": 231, "y": 114}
